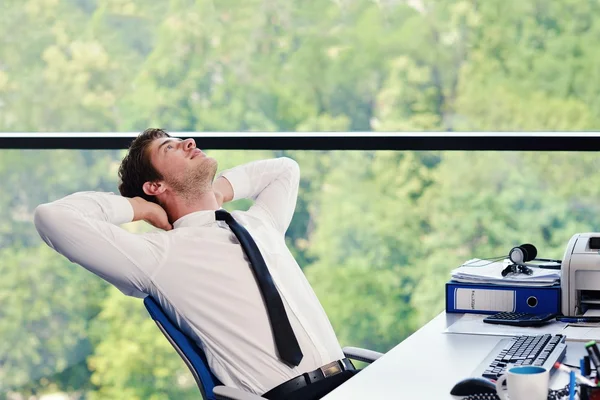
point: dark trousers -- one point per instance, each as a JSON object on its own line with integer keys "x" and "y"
{"x": 316, "y": 390}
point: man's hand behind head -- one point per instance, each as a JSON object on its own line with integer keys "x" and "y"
{"x": 150, "y": 212}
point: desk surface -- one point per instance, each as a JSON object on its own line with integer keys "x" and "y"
{"x": 427, "y": 364}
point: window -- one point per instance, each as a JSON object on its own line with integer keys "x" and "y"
{"x": 377, "y": 232}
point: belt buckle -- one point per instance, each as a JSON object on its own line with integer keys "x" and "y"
{"x": 331, "y": 369}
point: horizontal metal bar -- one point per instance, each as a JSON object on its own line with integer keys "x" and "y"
{"x": 526, "y": 141}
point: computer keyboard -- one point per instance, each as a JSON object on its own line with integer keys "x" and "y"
{"x": 542, "y": 350}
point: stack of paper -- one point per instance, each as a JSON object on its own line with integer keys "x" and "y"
{"x": 488, "y": 272}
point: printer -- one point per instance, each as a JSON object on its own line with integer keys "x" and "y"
{"x": 580, "y": 275}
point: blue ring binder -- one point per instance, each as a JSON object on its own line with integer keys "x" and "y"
{"x": 491, "y": 299}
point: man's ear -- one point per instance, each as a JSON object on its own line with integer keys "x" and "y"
{"x": 153, "y": 188}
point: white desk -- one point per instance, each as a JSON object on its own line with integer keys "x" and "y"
{"x": 427, "y": 364}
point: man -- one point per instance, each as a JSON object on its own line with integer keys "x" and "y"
{"x": 199, "y": 266}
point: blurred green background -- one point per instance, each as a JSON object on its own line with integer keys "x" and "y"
{"x": 376, "y": 232}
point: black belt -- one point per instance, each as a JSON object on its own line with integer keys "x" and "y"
{"x": 333, "y": 368}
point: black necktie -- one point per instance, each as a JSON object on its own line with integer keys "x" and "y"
{"x": 285, "y": 340}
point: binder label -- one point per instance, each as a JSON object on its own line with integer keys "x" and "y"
{"x": 484, "y": 299}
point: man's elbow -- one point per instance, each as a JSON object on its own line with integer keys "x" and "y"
{"x": 291, "y": 165}
{"x": 46, "y": 219}
{"x": 41, "y": 215}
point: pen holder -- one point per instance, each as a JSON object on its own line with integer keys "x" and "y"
{"x": 589, "y": 393}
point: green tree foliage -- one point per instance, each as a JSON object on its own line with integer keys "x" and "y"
{"x": 376, "y": 233}
{"x": 368, "y": 253}
{"x": 132, "y": 360}
{"x": 47, "y": 304}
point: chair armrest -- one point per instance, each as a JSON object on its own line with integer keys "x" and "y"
{"x": 229, "y": 393}
{"x": 356, "y": 353}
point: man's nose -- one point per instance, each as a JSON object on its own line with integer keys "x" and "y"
{"x": 189, "y": 144}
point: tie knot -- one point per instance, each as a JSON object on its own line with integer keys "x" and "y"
{"x": 222, "y": 215}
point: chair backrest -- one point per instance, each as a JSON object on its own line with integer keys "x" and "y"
{"x": 191, "y": 354}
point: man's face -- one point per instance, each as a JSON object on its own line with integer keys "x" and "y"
{"x": 185, "y": 168}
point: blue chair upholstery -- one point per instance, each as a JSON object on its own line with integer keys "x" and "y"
{"x": 192, "y": 355}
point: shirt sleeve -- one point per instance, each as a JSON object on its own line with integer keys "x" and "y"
{"x": 272, "y": 184}
{"x": 83, "y": 227}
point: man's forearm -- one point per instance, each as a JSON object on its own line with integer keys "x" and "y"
{"x": 249, "y": 180}
{"x": 272, "y": 184}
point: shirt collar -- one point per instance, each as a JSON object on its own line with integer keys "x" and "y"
{"x": 196, "y": 219}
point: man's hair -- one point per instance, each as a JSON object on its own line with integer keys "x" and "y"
{"x": 136, "y": 168}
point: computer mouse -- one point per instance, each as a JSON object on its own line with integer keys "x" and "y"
{"x": 471, "y": 386}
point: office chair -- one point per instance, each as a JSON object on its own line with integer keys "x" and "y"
{"x": 193, "y": 356}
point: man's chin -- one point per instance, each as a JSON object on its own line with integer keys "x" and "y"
{"x": 214, "y": 164}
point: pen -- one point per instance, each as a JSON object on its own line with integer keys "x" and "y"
{"x": 568, "y": 370}
{"x": 575, "y": 320}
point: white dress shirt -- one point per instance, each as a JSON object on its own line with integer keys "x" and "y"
{"x": 200, "y": 275}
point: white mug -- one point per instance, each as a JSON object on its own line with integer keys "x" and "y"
{"x": 524, "y": 382}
